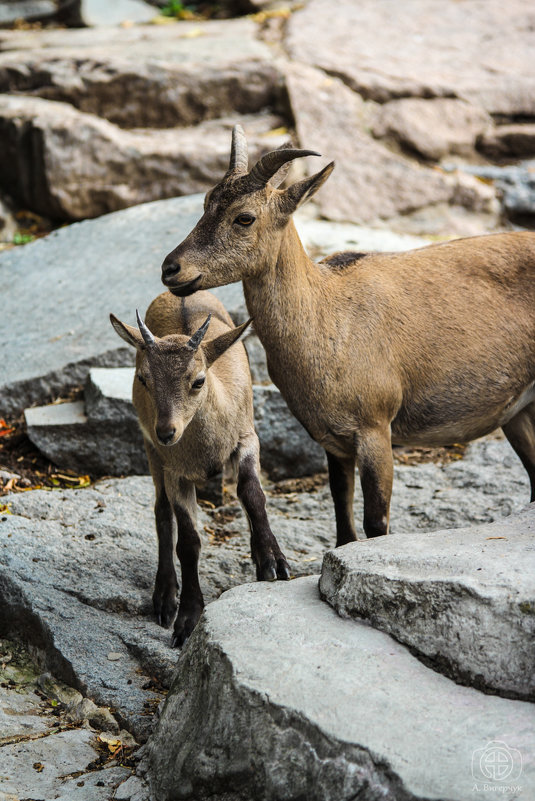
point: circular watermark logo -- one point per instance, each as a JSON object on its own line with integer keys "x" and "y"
{"x": 496, "y": 762}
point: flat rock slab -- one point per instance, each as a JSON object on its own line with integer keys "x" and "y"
{"x": 463, "y": 598}
{"x": 276, "y": 697}
{"x": 72, "y": 278}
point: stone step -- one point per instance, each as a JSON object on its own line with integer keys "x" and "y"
{"x": 276, "y": 697}
{"x": 463, "y": 599}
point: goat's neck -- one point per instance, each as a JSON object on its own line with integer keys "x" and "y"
{"x": 285, "y": 298}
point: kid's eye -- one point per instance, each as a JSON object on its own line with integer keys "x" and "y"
{"x": 245, "y": 219}
{"x": 197, "y": 384}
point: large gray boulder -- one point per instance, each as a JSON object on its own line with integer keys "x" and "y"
{"x": 275, "y": 697}
{"x": 463, "y": 599}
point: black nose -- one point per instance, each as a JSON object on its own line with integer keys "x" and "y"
{"x": 170, "y": 268}
{"x": 165, "y": 435}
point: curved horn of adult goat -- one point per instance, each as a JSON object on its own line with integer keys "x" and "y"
{"x": 198, "y": 336}
{"x": 239, "y": 161}
{"x": 266, "y": 167}
{"x": 148, "y": 338}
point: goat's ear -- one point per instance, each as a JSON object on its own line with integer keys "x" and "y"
{"x": 299, "y": 193}
{"x": 127, "y": 332}
{"x": 216, "y": 347}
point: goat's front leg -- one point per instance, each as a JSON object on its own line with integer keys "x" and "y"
{"x": 188, "y": 548}
{"x": 376, "y": 469}
{"x": 164, "y": 598}
{"x": 269, "y": 560}
{"x": 342, "y": 484}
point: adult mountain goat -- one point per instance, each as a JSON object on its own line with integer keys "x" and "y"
{"x": 428, "y": 347}
{"x": 194, "y": 399}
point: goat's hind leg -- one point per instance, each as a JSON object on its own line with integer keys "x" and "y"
{"x": 164, "y": 597}
{"x": 269, "y": 560}
{"x": 520, "y": 431}
{"x": 376, "y": 470}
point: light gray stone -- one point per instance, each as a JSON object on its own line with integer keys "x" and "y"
{"x": 71, "y": 280}
{"x": 192, "y": 71}
{"x": 463, "y": 598}
{"x": 20, "y": 715}
{"x": 8, "y": 223}
{"x": 101, "y": 12}
{"x": 430, "y": 51}
{"x": 286, "y": 449}
{"x": 70, "y": 165}
{"x": 108, "y": 395}
{"x": 275, "y": 697}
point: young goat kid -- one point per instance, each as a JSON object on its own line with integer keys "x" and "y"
{"x": 427, "y": 347}
{"x": 194, "y": 400}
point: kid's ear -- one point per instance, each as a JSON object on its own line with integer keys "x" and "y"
{"x": 216, "y": 347}
{"x": 128, "y": 333}
{"x": 299, "y": 193}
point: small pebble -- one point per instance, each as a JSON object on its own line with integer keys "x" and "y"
{"x": 113, "y": 656}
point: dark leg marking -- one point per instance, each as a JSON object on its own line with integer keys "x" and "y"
{"x": 520, "y": 431}
{"x": 269, "y": 560}
{"x": 342, "y": 484}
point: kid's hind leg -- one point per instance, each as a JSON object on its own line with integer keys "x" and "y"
{"x": 269, "y": 560}
{"x": 520, "y": 431}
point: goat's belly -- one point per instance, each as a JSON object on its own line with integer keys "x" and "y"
{"x": 442, "y": 424}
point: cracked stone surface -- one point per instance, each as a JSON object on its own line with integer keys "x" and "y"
{"x": 323, "y": 715}
{"x": 455, "y": 596}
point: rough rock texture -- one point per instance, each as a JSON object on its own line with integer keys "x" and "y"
{"x": 8, "y": 223}
{"x": 471, "y": 50}
{"x": 286, "y": 449}
{"x": 432, "y": 128}
{"x": 371, "y": 182}
{"x": 69, "y": 165}
{"x": 145, "y": 77}
{"x": 114, "y": 261}
{"x": 455, "y": 596}
{"x": 322, "y": 715}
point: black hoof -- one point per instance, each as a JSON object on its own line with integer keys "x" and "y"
{"x": 165, "y": 611}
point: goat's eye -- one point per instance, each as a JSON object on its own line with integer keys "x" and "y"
{"x": 141, "y": 379}
{"x": 245, "y": 219}
{"x": 197, "y": 384}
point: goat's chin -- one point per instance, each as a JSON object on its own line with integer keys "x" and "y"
{"x": 186, "y": 288}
